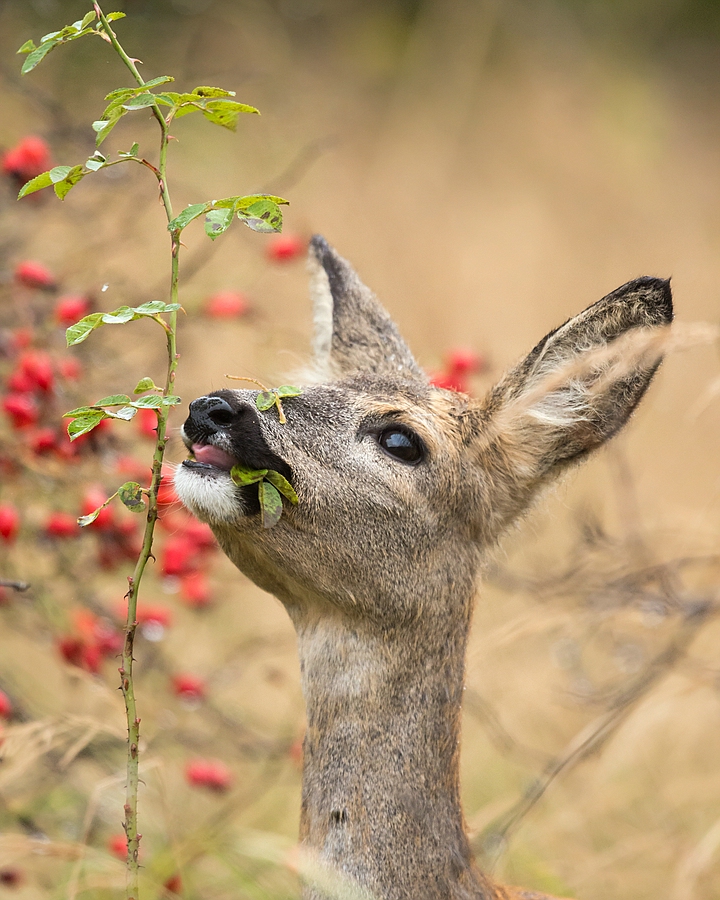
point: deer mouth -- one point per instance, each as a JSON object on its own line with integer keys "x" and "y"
{"x": 208, "y": 456}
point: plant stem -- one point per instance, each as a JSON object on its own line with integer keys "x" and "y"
{"x": 126, "y": 669}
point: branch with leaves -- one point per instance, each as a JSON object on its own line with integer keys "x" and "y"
{"x": 260, "y": 212}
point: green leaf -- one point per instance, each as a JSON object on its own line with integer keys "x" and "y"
{"x": 251, "y": 199}
{"x": 265, "y": 217}
{"x": 79, "y": 411}
{"x": 187, "y": 215}
{"x": 88, "y": 18}
{"x": 133, "y": 151}
{"x": 270, "y": 504}
{"x": 283, "y": 485}
{"x": 287, "y": 390}
{"x": 145, "y": 384}
{"x": 35, "y": 184}
{"x": 111, "y": 17}
{"x": 35, "y": 56}
{"x": 120, "y": 316}
{"x": 83, "y": 424}
{"x": 154, "y": 82}
{"x": 153, "y": 307}
{"x": 121, "y": 94}
{"x": 131, "y": 495}
{"x": 81, "y": 330}
{"x": 225, "y": 112}
{"x": 65, "y": 185}
{"x": 140, "y": 101}
{"x": 209, "y": 92}
{"x": 217, "y": 221}
{"x": 150, "y": 401}
{"x": 113, "y": 400}
{"x": 265, "y": 399}
{"x": 242, "y": 476}
{"x": 27, "y": 47}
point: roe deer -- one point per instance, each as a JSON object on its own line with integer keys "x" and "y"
{"x": 403, "y": 489}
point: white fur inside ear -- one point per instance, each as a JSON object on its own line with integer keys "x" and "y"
{"x": 212, "y": 500}
{"x": 322, "y": 315}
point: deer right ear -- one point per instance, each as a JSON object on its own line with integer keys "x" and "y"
{"x": 353, "y": 333}
{"x": 573, "y": 392}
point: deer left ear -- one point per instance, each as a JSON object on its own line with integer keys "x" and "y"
{"x": 572, "y": 393}
{"x": 353, "y": 333}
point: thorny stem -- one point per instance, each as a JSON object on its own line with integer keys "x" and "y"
{"x": 126, "y": 669}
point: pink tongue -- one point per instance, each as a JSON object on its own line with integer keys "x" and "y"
{"x": 213, "y": 456}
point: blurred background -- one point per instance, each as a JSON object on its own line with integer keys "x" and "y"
{"x": 490, "y": 168}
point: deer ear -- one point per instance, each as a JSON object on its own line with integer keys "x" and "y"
{"x": 353, "y": 333}
{"x": 572, "y": 392}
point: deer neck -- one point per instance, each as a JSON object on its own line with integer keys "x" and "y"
{"x": 380, "y": 778}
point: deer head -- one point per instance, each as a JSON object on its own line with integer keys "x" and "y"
{"x": 402, "y": 488}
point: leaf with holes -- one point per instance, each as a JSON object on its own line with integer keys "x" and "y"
{"x": 283, "y": 485}
{"x": 243, "y": 476}
{"x": 131, "y": 495}
{"x": 264, "y": 216}
{"x": 270, "y": 504}
{"x": 265, "y": 400}
{"x": 217, "y": 221}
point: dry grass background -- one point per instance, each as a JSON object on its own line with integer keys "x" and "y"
{"x": 491, "y": 168}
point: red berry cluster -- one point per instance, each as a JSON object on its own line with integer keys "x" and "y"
{"x": 28, "y": 158}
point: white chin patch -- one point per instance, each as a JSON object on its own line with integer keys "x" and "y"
{"x": 211, "y": 499}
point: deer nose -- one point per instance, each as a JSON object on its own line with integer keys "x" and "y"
{"x": 210, "y": 414}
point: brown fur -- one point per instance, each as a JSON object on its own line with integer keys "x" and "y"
{"x": 377, "y": 564}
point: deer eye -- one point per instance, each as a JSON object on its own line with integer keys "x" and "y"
{"x": 401, "y": 444}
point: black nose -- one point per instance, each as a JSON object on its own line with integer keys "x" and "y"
{"x": 210, "y": 414}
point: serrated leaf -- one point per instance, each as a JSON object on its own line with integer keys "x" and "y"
{"x": 161, "y": 79}
{"x": 131, "y": 495}
{"x": 153, "y": 307}
{"x": 79, "y": 411}
{"x": 151, "y": 401}
{"x": 63, "y": 187}
{"x": 171, "y": 400}
{"x": 88, "y": 18}
{"x": 288, "y": 390}
{"x": 82, "y": 424}
{"x": 226, "y": 112}
{"x": 120, "y": 94}
{"x": 187, "y": 215}
{"x": 113, "y": 400}
{"x": 35, "y": 184}
{"x": 145, "y": 384}
{"x": 270, "y": 504}
{"x": 27, "y": 47}
{"x": 251, "y": 199}
{"x": 111, "y": 17}
{"x": 36, "y": 56}
{"x": 81, "y": 330}
{"x": 217, "y": 221}
{"x": 139, "y": 102}
{"x": 265, "y": 400}
{"x": 265, "y": 217}
{"x": 119, "y": 316}
{"x": 242, "y": 476}
{"x": 208, "y": 92}
{"x": 283, "y": 485}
